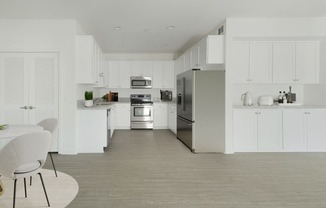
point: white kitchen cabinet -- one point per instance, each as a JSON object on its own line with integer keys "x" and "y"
{"x": 296, "y": 62}
{"x": 123, "y": 116}
{"x": 113, "y": 119}
{"x": 304, "y": 129}
{"x": 89, "y": 59}
{"x": 284, "y": 62}
{"x": 163, "y": 74}
{"x": 91, "y": 130}
{"x": 211, "y": 50}
{"x": 172, "y": 117}
{"x": 180, "y": 65}
{"x": 307, "y": 62}
{"x": 187, "y": 60}
{"x": 160, "y": 116}
{"x": 194, "y": 57}
{"x": 119, "y": 74}
{"x": 29, "y": 88}
{"x": 142, "y": 68}
{"x": 293, "y": 130}
{"x": 251, "y": 62}
{"x": 257, "y": 130}
{"x": 315, "y": 126}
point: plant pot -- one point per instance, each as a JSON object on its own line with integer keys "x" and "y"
{"x": 88, "y": 103}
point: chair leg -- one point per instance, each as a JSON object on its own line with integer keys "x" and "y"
{"x": 14, "y": 198}
{"x": 55, "y": 171}
{"x": 25, "y": 188}
{"x": 47, "y": 199}
{"x": 30, "y": 180}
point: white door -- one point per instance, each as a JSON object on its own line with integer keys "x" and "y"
{"x": 124, "y": 74}
{"x": 168, "y": 74}
{"x": 316, "y": 129}
{"x": 29, "y": 88}
{"x": 114, "y": 74}
{"x": 158, "y": 74}
{"x": 14, "y": 88}
{"x": 293, "y": 130}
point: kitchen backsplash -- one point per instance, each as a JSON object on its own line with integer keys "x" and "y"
{"x": 265, "y": 89}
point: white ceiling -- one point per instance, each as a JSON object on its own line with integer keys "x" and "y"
{"x": 143, "y": 22}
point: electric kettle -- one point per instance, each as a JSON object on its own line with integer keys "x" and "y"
{"x": 247, "y": 99}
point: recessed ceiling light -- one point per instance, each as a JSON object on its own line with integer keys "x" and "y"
{"x": 170, "y": 27}
{"x": 117, "y": 28}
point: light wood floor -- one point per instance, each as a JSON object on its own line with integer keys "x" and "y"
{"x": 153, "y": 169}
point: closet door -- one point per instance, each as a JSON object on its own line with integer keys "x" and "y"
{"x": 14, "y": 88}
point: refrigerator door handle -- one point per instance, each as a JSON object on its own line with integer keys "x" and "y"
{"x": 183, "y": 94}
{"x": 186, "y": 120}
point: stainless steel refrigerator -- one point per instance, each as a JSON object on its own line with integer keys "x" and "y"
{"x": 201, "y": 110}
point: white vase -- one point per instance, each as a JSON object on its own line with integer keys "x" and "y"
{"x": 88, "y": 103}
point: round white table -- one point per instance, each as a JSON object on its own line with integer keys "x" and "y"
{"x": 14, "y": 130}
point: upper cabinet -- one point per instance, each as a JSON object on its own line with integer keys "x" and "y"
{"x": 296, "y": 62}
{"x": 142, "y": 68}
{"x": 163, "y": 74}
{"x": 209, "y": 50}
{"x": 252, "y": 62}
{"x": 89, "y": 61}
{"x": 118, "y": 74}
{"x": 275, "y": 62}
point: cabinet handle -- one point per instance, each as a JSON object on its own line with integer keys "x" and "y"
{"x": 31, "y": 107}
{"x": 24, "y": 107}
{"x": 307, "y": 113}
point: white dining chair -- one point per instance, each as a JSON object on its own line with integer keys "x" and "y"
{"x": 50, "y": 124}
{"x": 23, "y": 157}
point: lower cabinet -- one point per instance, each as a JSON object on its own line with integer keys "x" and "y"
{"x": 160, "y": 116}
{"x": 304, "y": 130}
{"x": 91, "y": 134}
{"x": 172, "y": 117}
{"x": 257, "y": 130}
{"x": 288, "y": 130}
{"x": 122, "y": 116}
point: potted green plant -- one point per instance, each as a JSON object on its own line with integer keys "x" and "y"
{"x": 88, "y": 99}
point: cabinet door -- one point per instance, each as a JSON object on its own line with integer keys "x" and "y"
{"x": 240, "y": 62}
{"x": 158, "y": 74}
{"x": 293, "y": 130}
{"x": 114, "y": 74}
{"x": 284, "y": 62}
{"x": 307, "y": 62}
{"x": 260, "y": 63}
{"x": 160, "y": 116}
{"x": 147, "y": 68}
{"x": 172, "y": 118}
{"x": 181, "y": 61}
{"x": 124, "y": 74}
{"x": 136, "y": 68}
{"x": 194, "y": 57}
{"x": 316, "y": 129}
{"x": 14, "y": 88}
{"x": 187, "y": 60}
{"x": 168, "y": 74}
{"x": 123, "y": 116}
{"x": 244, "y": 130}
{"x": 268, "y": 130}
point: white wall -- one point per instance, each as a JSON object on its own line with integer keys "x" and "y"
{"x": 44, "y": 36}
{"x": 272, "y": 29}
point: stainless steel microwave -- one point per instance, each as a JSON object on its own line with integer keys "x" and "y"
{"x": 140, "y": 82}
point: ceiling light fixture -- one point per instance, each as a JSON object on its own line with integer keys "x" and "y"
{"x": 117, "y": 28}
{"x": 170, "y": 27}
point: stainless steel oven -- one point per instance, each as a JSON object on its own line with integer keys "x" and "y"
{"x": 141, "y": 116}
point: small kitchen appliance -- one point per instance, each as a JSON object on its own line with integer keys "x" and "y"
{"x": 265, "y": 100}
{"x": 166, "y": 95}
{"x": 247, "y": 99}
